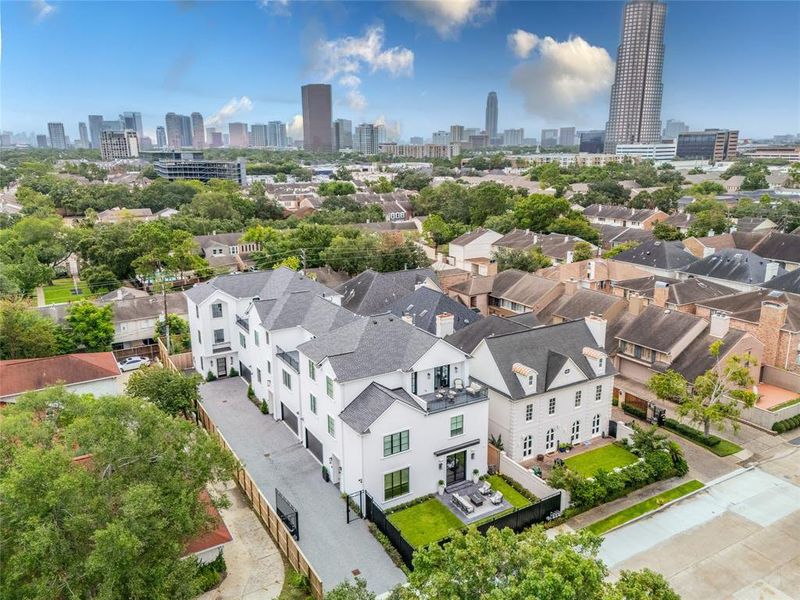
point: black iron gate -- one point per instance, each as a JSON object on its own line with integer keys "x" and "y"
{"x": 355, "y": 506}
{"x": 287, "y": 514}
{"x": 612, "y": 428}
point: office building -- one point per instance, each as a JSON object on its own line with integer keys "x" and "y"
{"x": 592, "y": 141}
{"x": 95, "y": 127}
{"x": 381, "y": 135}
{"x": 145, "y": 143}
{"x": 549, "y": 138}
{"x": 491, "y": 115}
{"x": 634, "y": 114}
{"x": 657, "y": 152}
{"x": 112, "y": 125}
{"x": 317, "y": 117}
{"x": 258, "y": 135}
{"x": 673, "y": 128}
{"x": 161, "y": 137}
{"x": 418, "y": 151}
{"x": 342, "y": 134}
{"x": 457, "y": 133}
{"x": 202, "y": 170}
{"x": 186, "y": 131}
{"x": 116, "y": 145}
{"x": 468, "y": 131}
{"x": 198, "y": 131}
{"x": 174, "y": 137}
{"x": 513, "y": 137}
{"x": 238, "y": 135}
{"x": 531, "y": 142}
{"x": 83, "y": 134}
{"x": 276, "y": 135}
{"x": 480, "y": 140}
{"x": 132, "y": 120}
{"x": 714, "y": 145}
{"x": 57, "y": 138}
{"x": 416, "y": 140}
{"x": 566, "y": 136}
{"x": 214, "y": 138}
{"x": 365, "y": 139}
{"x": 41, "y": 141}
{"x": 441, "y": 138}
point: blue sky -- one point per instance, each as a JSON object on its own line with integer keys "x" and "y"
{"x": 423, "y": 65}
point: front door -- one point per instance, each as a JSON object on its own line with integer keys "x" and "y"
{"x": 457, "y": 467}
{"x": 222, "y": 367}
{"x": 441, "y": 377}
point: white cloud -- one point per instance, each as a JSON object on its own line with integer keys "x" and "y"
{"x": 276, "y": 7}
{"x": 294, "y": 128}
{"x": 562, "y": 76}
{"x": 448, "y": 17}
{"x": 350, "y": 81}
{"x": 522, "y": 42}
{"x": 356, "y": 100}
{"x": 392, "y": 127}
{"x": 43, "y": 9}
{"x": 232, "y": 108}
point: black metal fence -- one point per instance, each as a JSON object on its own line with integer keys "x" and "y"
{"x": 288, "y": 514}
{"x": 518, "y": 520}
{"x": 612, "y": 428}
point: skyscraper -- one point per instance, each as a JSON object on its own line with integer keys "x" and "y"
{"x": 258, "y": 135}
{"x": 41, "y": 141}
{"x": 317, "y": 117}
{"x": 198, "y": 131}
{"x": 673, "y": 128}
{"x": 491, "y": 116}
{"x": 95, "y": 127}
{"x": 117, "y": 145}
{"x": 238, "y": 135}
{"x": 549, "y": 138}
{"x": 174, "y": 137}
{"x": 457, "y": 133}
{"x": 441, "y": 138}
{"x": 276, "y": 134}
{"x": 132, "y": 120}
{"x": 83, "y": 134}
{"x": 57, "y": 138}
{"x": 634, "y": 114}
{"x": 161, "y": 137}
{"x": 592, "y": 141}
{"x": 365, "y": 139}
{"x": 513, "y": 137}
{"x": 566, "y": 136}
{"x": 186, "y": 131}
{"x": 342, "y": 134}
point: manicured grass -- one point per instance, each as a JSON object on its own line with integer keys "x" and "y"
{"x": 426, "y": 522}
{"x": 641, "y": 508}
{"x": 61, "y": 291}
{"x": 725, "y": 448}
{"x": 607, "y": 458}
{"x": 513, "y": 497}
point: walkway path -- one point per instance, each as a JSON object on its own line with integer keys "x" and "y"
{"x": 40, "y": 301}
{"x": 275, "y": 458}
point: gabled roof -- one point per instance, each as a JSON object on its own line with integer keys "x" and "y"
{"x": 658, "y": 254}
{"x": 371, "y": 403}
{"x": 749, "y": 224}
{"x": 468, "y": 338}
{"x": 696, "y": 359}
{"x": 470, "y": 236}
{"x": 474, "y": 286}
{"x": 680, "y": 219}
{"x": 618, "y": 212}
{"x": 303, "y": 309}
{"x": 123, "y": 293}
{"x": 370, "y": 346}
{"x": 28, "y": 374}
{"x": 790, "y": 282}
{"x": 783, "y": 247}
{"x": 732, "y": 264}
{"x": 521, "y": 287}
{"x": 424, "y": 304}
{"x": 688, "y": 291}
{"x": 371, "y": 293}
{"x": 616, "y": 234}
{"x": 658, "y": 328}
{"x": 541, "y": 349}
{"x": 224, "y": 239}
{"x": 264, "y": 284}
{"x": 747, "y": 306}
{"x": 585, "y": 302}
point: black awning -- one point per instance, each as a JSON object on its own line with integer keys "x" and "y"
{"x": 457, "y": 448}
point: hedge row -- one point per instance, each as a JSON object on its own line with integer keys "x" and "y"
{"x": 685, "y": 430}
{"x": 786, "y": 424}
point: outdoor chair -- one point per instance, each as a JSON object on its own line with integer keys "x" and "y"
{"x": 462, "y": 504}
{"x": 473, "y": 389}
{"x": 497, "y": 498}
{"x": 458, "y": 384}
{"x": 485, "y": 489}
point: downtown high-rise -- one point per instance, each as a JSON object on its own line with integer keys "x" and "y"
{"x": 317, "y": 117}
{"x": 634, "y": 114}
{"x": 198, "y": 131}
{"x": 342, "y": 134}
{"x": 174, "y": 133}
{"x": 491, "y": 116}
{"x": 57, "y": 137}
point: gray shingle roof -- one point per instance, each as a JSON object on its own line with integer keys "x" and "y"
{"x": 540, "y": 349}
{"x": 658, "y": 329}
{"x": 264, "y": 284}
{"x": 470, "y": 236}
{"x": 747, "y": 306}
{"x": 372, "y": 293}
{"x": 787, "y": 283}
{"x": 696, "y": 359}
{"x": 658, "y": 254}
{"x": 783, "y": 247}
{"x": 585, "y": 302}
{"x": 303, "y": 309}
{"x": 469, "y": 337}
{"x": 732, "y": 264}
{"x": 619, "y": 212}
{"x": 424, "y": 304}
{"x": 370, "y": 346}
{"x": 371, "y": 403}
{"x": 521, "y": 287}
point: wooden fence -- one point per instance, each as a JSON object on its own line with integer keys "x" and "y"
{"x": 151, "y": 351}
{"x": 174, "y": 362}
{"x": 269, "y": 518}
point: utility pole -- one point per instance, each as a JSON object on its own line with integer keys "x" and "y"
{"x": 166, "y": 319}
{"x": 303, "y": 257}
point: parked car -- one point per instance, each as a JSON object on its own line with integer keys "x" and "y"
{"x": 133, "y": 363}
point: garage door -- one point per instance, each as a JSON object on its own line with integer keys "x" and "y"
{"x": 289, "y": 417}
{"x": 314, "y": 445}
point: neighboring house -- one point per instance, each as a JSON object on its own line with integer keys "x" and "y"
{"x": 593, "y": 274}
{"x": 770, "y": 315}
{"x": 755, "y": 225}
{"x": 372, "y": 293}
{"x": 612, "y": 236}
{"x": 777, "y": 179}
{"x": 227, "y": 250}
{"x": 390, "y": 409}
{"x": 702, "y": 247}
{"x": 472, "y": 250}
{"x": 547, "y": 386}
{"x": 661, "y": 258}
{"x": 559, "y": 248}
{"x": 782, "y": 248}
{"x": 118, "y": 215}
{"x": 785, "y": 283}
{"x": 508, "y": 293}
{"x": 682, "y": 221}
{"x": 578, "y": 304}
{"x": 209, "y": 545}
{"x": 621, "y": 216}
{"x": 123, "y": 293}
{"x": 736, "y": 268}
{"x": 468, "y": 338}
{"x": 88, "y": 373}
{"x": 671, "y": 293}
{"x": 434, "y": 312}
{"x": 733, "y": 184}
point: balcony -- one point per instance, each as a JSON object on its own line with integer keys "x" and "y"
{"x": 448, "y": 398}
{"x": 243, "y": 323}
{"x": 291, "y": 358}
{"x": 223, "y": 346}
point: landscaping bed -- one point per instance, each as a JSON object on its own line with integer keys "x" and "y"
{"x": 786, "y": 424}
{"x": 643, "y": 507}
{"x": 607, "y": 458}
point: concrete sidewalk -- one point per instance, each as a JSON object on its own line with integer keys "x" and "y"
{"x": 276, "y": 459}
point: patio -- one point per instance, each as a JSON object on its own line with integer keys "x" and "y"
{"x": 465, "y": 490}
{"x": 548, "y": 461}
{"x": 772, "y": 395}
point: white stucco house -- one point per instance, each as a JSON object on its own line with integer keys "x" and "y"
{"x": 468, "y": 251}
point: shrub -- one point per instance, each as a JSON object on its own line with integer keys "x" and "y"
{"x": 634, "y": 411}
{"x": 264, "y": 407}
{"x": 250, "y": 392}
{"x": 408, "y": 504}
{"x": 298, "y": 581}
{"x": 211, "y": 376}
{"x": 387, "y": 546}
{"x": 690, "y": 432}
{"x": 787, "y": 424}
{"x": 233, "y": 373}
{"x": 211, "y": 574}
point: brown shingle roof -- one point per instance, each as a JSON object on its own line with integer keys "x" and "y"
{"x": 29, "y": 374}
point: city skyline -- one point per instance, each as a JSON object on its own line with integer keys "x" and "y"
{"x": 410, "y": 71}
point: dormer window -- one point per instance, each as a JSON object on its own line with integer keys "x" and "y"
{"x": 530, "y": 379}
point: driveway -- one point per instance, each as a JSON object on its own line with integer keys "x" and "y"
{"x": 275, "y": 458}
{"x": 738, "y": 538}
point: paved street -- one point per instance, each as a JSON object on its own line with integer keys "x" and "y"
{"x": 275, "y": 458}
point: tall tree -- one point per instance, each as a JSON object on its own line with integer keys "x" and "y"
{"x": 582, "y": 251}
{"x": 25, "y": 333}
{"x": 174, "y": 393}
{"x": 90, "y": 327}
{"x": 524, "y": 260}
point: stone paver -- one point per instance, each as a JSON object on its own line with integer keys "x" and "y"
{"x": 274, "y": 457}
{"x": 255, "y": 565}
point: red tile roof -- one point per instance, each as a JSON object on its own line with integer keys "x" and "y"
{"x": 27, "y": 374}
{"x": 216, "y": 537}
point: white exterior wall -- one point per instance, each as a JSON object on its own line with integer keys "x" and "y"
{"x": 110, "y": 386}
{"x": 200, "y": 319}
{"x": 478, "y": 248}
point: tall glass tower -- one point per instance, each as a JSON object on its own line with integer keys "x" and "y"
{"x": 634, "y": 115}
{"x": 491, "y": 116}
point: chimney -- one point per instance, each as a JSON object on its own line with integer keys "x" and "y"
{"x": 591, "y": 270}
{"x": 570, "y": 286}
{"x": 445, "y": 324}
{"x": 720, "y": 324}
{"x": 661, "y": 294}
{"x": 771, "y": 271}
{"x": 635, "y": 304}
{"x": 119, "y": 293}
{"x": 708, "y": 251}
{"x": 773, "y": 315}
{"x": 570, "y": 256}
{"x": 408, "y": 318}
{"x": 597, "y": 327}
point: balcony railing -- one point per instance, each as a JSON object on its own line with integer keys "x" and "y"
{"x": 243, "y": 323}
{"x": 448, "y": 398}
{"x": 291, "y": 358}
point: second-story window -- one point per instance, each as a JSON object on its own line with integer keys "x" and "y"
{"x": 216, "y": 310}
{"x": 199, "y": 337}
{"x": 395, "y": 442}
{"x": 312, "y": 401}
{"x": 242, "y": 340}
{"x": 551, "y": 406}
{"x": 329, "y": 386}
{"x": 578, "y": 398}
{"x": 312, "y": 370}
{"x": 456, "y": 425}
{"x": 529, "y": 412}
{"x": 219, "y": 336}
{"x": 287, "y": 379}
{"x": 598, "y": 393}
{"x": 331, "y": 427}
{"x": 255, "y": 338}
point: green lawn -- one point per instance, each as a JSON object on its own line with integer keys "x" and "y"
{"x": 606, "y": 458}
{"x": 724, "y": 448}
{"x": 646, "y": 506}
{"x": 426, "y": 522}
{"x": 514, "y": 498}
{"x": 61, "y": 291}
